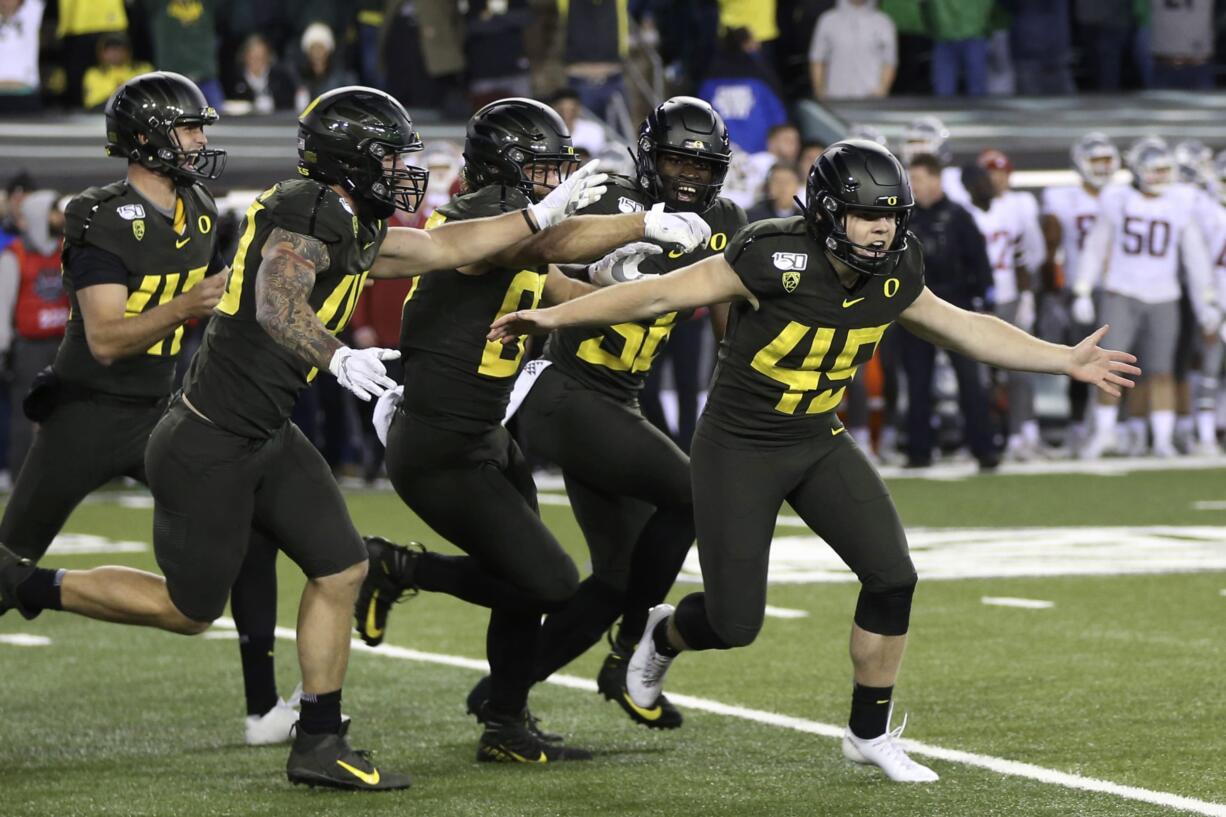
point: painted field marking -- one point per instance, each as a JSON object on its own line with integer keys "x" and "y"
{"x": 1222, "y": 592}
{"x": 1028, "y": 604}
{"x": 25, "y": 640}
{"x": 994, "y": 764}
{"x": 77, "y": 544}
{"x": 785, "y": 612}
{"x": 1209, "y": 505}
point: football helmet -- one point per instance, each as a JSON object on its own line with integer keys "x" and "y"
{"x": 1194, "y": 163}
{"x": 152, "y": 105}
{"x": 1096, "y": 159}
{"x": 507, "y": 135}
{"x": 857, "y": 174}
{"x": 1152, "y": 166}
{"x": 925, "y": 135}
{"x": 347, "y": 136}
{"x": 688, "y": 127}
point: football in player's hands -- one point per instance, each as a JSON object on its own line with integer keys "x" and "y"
{"x": 681, "y": 231}
{"x": 622, "y": 264}
{"x": 580, "y": 189}
{"x": 361, "y": 371}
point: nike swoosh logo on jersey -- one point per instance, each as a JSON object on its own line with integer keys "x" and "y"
{"x": 834, "y": 432}
{"x": 847, "y": 303}
{"x": 369, "y": 778}
{"x": 179, "y": 243}
{"x": 646, "y": 714}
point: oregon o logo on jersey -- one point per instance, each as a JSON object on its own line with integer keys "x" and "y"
{"x": 891, "y": 291}
{"x": 204, "y": 224}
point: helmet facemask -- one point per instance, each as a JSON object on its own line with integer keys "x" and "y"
{"x": 828, "y": 219}
{"x": 687, "y": 191}
{"x": 1096, "y": 159}
{"x": 400, "y": 185}
{"x": 540, "y": 172}
{"x": 162, "y": 152}
{"x": 1152, "y": 166}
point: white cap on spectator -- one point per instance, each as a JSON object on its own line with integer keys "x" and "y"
{"x": 318, "y": 33}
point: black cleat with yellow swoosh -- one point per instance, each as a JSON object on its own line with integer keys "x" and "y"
{"x": 390, "y": 577}
{"x": 612, "y": 685}
{"x": 13, "y": 571}
{"x": 329, "y": 761}
{"x": 510, "y": 739}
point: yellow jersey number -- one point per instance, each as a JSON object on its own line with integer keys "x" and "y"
{"x": 639, "y": 346}
{"x": 807, "y": 378}
{"x": 493, "y": 363}
{"x": 164, "y": 287}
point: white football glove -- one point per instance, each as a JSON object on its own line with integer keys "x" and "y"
{"x": 1024, "y": 317}
{"x": 580, "y": 189}
{"x": 622, "y": 264}
{"x": 1083, "y": 309}
{"x": 385, "y": 409}
{"x": 362, "y": 371}
{"x": 685, "y": 231}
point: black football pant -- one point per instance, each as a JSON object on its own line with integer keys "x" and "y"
{"x": 476, "y": 491}
{"x": 739, "y": 488}
{"x": 629, "y": 487}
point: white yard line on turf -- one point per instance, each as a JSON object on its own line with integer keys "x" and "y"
{"x": 785, "y": 612}
{"x": 1209, "y": 505}
{"x": 1028, "y": 604}
{"x": 993, "y": 764}
{"x": 25, "y": 640}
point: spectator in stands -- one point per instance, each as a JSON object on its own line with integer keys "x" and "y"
{"x": 782, "y": 145}
{"x": 584, "y": 133}
{"x": 854, "y": 52}
{"x": 33, "y": 308}
{"x": 81, "y": 24}
{"x": 261, "y": 81}
{"x": 960, "y": 45}
{"x": 594, "y": 33}
{"x": 1182, "y": 44}
{"x": 957, "y": 269}
{"x": 1041, "y": 43}
{"x": 494, "y": 50}
{"x": 370, "y": 19}
{"x": 424, "y": 56}
{"x": 783, "y": 184}
{"x": 758, "y": 16}
{"x": 809, "y": 152}
{"x": 114, "y": 68}
{"x": 184, "y": 36}
{"x": 14, "y": 191}
{"x": 1110, "y": 31}
{"x": 914, "y": 74}
{"x": 320, "y": 71}
{"x": 19, "y": 25}
{"x": 742, "y": 86}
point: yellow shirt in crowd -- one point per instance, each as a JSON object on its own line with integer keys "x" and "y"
{"x": 102, "y": 80}
{"x": 756, "y": 15}
{"x": 91, "y": 17}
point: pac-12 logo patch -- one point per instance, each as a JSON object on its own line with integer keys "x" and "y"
{"x": 791, "y": 280}
{"x": 138, "y": 229}
{"x": 790, "y": 260}
{"x": 128, "y": 212}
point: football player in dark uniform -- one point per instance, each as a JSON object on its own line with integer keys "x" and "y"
{"x": 629, "y": 485}
{"x": 224, "y": 457}
{"x": 811, "y": 298}
{"x": 140, "y": 258}
{"x": 449, "y": 456}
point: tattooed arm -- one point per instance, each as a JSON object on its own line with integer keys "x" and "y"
{"x": 282, "y": 288}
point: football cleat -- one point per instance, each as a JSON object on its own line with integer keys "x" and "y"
{"x": 277, "y": 724}
{"x": 612, "y": 685}
{"x": 512, "y": 740}
{"x": 475, "y": 704}
{"x": 329, "y": 760}
{"x": 886, "y": 752}
{"x": 387, "y": 581}
{"x": 646, "y": 669}
{"x": 13, "y": 571}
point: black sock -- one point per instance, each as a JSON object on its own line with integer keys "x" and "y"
{"x": 663, "y": 646}
{"x": 321, "y": 713}
{"x": 259, "y": 672}
{"x": 870, "y": 711}
{"x": 41, "y": 590}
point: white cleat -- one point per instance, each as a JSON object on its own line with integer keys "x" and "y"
{"x": 886, "y": 753}
{"x": 646, "y": 670}
{"x": 277, "y": 724}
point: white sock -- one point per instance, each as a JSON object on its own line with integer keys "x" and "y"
{"x": 1206, "y": 427}
{"x": 1104, "y": 421}
{"x": 1030, "y": 432}
{"x": 1163, "y": 425}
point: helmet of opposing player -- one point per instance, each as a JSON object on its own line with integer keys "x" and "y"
{"x": 518, "y": 143}
{"x": 687, "y": 136}
{"x": 870, "y": 132}
{"x": 1152, "y": 166}
{"x": 360, "y": 139}
{"x": 1194, "y": 163}
{"x": 862, "y": 177}
{"x": 925, "y": 135}
{"x": 1096, "y": 159}
{"x": 141, "y": 120}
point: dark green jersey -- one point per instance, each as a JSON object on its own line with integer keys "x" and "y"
{"x": 453, "y": 376}
{"x": 615, "y": 360}
{"x": 242, "y": 379}
{"x": 783, "y": 367}
{"x": 113, "y": 235}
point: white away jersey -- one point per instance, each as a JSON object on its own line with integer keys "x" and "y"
{"x": 1011, "y": 229}
{"x": 1077, "y": 211}
{"x": 1146, "y": 231}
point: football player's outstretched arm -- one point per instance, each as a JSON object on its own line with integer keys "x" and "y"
{"x": 708, "y": 281}
{"x": 282, "y": 288}
{"x": 112, "y": 336}
{"x": 993, "y": 341}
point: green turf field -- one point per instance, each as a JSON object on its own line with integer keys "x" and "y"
{"x": 1117, "y": 681}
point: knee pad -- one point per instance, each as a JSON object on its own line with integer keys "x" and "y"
{"x": 885, "y": 611}
{"x": 699, "y": 632}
